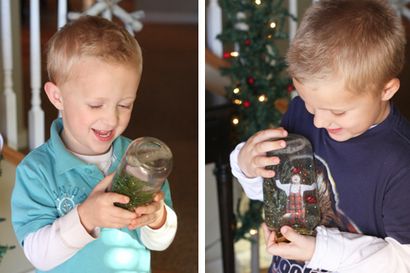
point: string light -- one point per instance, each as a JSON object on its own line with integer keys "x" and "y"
{"x": 253, "y": 231}
{"x": 234, "y": 54}
{"x": 237, "y": 101}
{"x": 272, "y": 25}
{"x": 262, "y": 98}
{"x": 258, "y": 2}
{"x": 236, "y": 90}
{"x": 235, "y": 121}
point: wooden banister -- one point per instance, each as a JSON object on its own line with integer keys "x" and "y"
{"x": 12, "y": 155}
{"x": 214, "y": 60}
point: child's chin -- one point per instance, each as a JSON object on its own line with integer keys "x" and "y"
{"x": 102, "y": 148}
{"x": 340, "y": 137}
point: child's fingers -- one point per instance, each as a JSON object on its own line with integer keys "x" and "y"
{"x": 265, "y": 173}
{"x": 113, "y": 197}
{"x": 150, "y": 208}
{"x": 263, "y": 161}
{"x": 266, "y": 232}
{"x": 270, "y": 237}
{"x": 300, "y": 247}
{"x": 159, "y": 196}
{"x": 290, "y": 234}
{"x": 268, "y": 145}
{"x": 104, "y": 184}
{"x": 259, "y": 163}
{"x": 121, "y": 213}
{"x": 142, "y": 221}
{"x": 267, "y": 134}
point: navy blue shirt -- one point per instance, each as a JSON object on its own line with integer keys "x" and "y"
{"x": 366, "y": 178}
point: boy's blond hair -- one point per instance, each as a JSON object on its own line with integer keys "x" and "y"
{"x": 362, "y": 41}
{"x": 90, "y": 36}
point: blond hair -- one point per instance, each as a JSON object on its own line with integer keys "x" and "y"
{"x": 363, "y": 41}
{"x": 90, "y": 36}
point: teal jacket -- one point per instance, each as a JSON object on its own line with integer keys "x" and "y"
{"x": 50, "y": 182}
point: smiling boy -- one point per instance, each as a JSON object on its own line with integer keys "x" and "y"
{"x": 344, "y": 62}
{"x": 62, "y": 214}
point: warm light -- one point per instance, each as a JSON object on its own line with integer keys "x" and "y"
{"x": 269, "y": 36}
{"x": 234, "y": 54}
{"x": 262, "y": 98}
{"x": 253, "y": 231}
{"x": 236, "y": 90}
{"x": 235, "y": 121}
{"x": 237, "y": 101}
{"x": 258, "y": 2}
{"x": 272, "y": 25}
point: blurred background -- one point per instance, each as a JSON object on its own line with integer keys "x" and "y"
{"x": 166, "y": 108}
{"x": 247, "y": 90}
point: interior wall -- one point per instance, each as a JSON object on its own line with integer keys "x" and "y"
{"x": 175, "y": 11}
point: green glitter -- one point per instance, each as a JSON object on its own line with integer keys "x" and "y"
{"x": 139, "y": 192}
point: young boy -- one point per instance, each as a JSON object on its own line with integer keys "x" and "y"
{"x": 344, "y": 62}
{"x": 62, "y": 213}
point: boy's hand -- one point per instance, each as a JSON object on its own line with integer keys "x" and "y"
{"x": 154, "y": 214}
{"x": 98, "y": 210}
{"x": 252, "y": 158}
{"x": 299, "y": 247}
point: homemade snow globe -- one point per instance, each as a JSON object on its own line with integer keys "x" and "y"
{"x": 290, "y": 197}
{"x": 143, "y": 169}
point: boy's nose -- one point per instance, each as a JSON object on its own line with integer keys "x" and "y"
{"x": 111, "y": 117}
{"x": 321, "y": 119}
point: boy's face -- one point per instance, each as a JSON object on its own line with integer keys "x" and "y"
{"x": 96, "y": 104}
{"x": 342, "y": 113}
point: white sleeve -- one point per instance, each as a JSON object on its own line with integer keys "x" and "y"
{"x": 160, "y": 239}
{"x": 344, "y": 252}
{"x": 53, "y": 244}
{"x": 253, "y": 187}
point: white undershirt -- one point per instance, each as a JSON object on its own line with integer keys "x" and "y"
{"x": 103, "y": 162}
{"x": 53, "y": 244}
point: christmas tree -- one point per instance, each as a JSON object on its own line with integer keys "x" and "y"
{"x": 259, "y": 85}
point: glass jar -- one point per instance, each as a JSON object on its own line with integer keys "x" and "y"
{"x": 144, "y": 168}
{"x": 290, "y": 197}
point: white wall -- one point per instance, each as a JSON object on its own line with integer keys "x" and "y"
{"x": 175, "y": 11}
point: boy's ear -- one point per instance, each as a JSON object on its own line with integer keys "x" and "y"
{"x": 390, "y": 88}
{"x": 54, "y": 95}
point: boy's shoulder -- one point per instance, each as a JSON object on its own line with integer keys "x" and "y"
{"x": 38, "y": 155}
{"x": 43, "y": 161}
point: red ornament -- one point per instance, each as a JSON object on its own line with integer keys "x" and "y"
{"x": 290, "y": 87}
{"x": 295, "y": 170}
{"x": 250, "y": 80}
{"x": 227, "y": 55}
{"x": 248, "y": 42}
{"x": 246, "y": 104}
{"x": 310, "y": 199}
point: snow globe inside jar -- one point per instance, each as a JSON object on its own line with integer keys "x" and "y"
{"x": 142, "y": 171}
{"x": 290, "y": 197}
